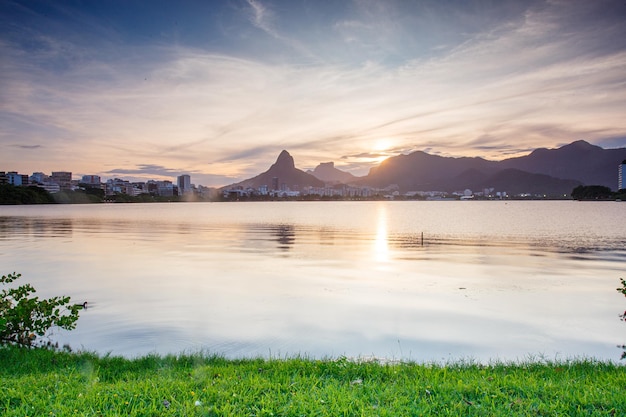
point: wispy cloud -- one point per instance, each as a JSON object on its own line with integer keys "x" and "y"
{"x": 27, "y": 146}
{"x": 260, "y": 17}
{"x": 263, "y": 18}
{"x": 149, "y": 169}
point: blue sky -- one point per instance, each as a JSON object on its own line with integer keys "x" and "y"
{"x": 217, "y": 89}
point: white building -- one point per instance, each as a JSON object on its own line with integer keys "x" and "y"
{"x": 14, "y": 178}
{"x": 50, "y": 187}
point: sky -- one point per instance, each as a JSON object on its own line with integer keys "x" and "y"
{"x": 216, "y": 89}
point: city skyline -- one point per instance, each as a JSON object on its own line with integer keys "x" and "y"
{"x": 216, "y": 89}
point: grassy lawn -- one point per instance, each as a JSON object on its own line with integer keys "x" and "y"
{"x": 45, "y": 383}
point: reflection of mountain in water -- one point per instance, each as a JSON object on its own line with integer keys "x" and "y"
{"x": 281, "y": 236}
{"x": 285, "y": 235}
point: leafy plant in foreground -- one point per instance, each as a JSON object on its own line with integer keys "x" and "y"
{"x": 24, "y": 318}
{"x": 622, "y": 289}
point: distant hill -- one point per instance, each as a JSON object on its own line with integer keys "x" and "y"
{"x": 327, "y": 172}
{"x": 515, "y": 181}
{"x": 580, "y": 160}
{"x": 419, "y": 171}
{"x": 285, "y": 172}
{"x": 543, "y": 171}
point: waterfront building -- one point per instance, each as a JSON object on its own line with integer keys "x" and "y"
{"x": 206, "y": 192}
{"x": 621, "y": 175}
{"x": 91, "y": 179}
{"x": 165, "y": 188}
{"x": 39, "y": 178}
{"x": 14, "y": 178}
{"x": 62, "y": 178}
{"x": 141, "y": 187}
{"x": 152, "y": 187}
{"x": 115, "y": 186}
{"x": 50, "y": 187}
{"x": 132, "y": 190}
{"x": 184, "y": 184}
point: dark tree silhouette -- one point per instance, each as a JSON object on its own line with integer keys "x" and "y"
{"x": 592, "y": 192}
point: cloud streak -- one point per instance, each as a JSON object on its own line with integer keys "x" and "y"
{"x": 260, "y": 17}
{"x": 27, "y": 146}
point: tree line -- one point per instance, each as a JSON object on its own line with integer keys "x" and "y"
{"x": 12, "y": 195}
{"x": 597, "y": 192}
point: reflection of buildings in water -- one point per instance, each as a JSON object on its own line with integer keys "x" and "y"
{"x": 53, "y": 228}
{"x": 285, "y": 235}
{"x": 12, "y": 226}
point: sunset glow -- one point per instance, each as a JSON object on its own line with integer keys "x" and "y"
{"x": 217, "y": 89}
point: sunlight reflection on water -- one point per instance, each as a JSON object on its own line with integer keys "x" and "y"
{"x": 381, "y": 243}
{"x": 490, "y": 280}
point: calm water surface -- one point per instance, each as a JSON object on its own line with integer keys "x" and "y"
{"x": 489, "y": 280}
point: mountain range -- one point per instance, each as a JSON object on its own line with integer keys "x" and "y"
{"x": 285, "y": 172}
{"x": 327, "y": 172}
{"x": 543, "y": 171}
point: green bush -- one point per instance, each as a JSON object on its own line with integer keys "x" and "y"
{"x": 25, "y": 319}
{"x": 622, "y": 289}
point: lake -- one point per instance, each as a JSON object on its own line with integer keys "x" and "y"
{"x": 422, "y": 281}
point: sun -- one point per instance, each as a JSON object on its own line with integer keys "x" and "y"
{"x": 381, "y": 145}
{"x": 381, "y": 148}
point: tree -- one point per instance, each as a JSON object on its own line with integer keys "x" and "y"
{"x": 592, "y": 192}
{"x": 24, "y": 318}
{"x": 11, "y": 194}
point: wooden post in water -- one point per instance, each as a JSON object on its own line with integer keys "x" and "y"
{"x": 422, "y": 238}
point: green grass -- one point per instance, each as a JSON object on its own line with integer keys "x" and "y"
{"x": 44, "y": 383}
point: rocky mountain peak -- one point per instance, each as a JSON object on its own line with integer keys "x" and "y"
{"x": 285, "y": 160}
{"x": 327, "y": 172}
